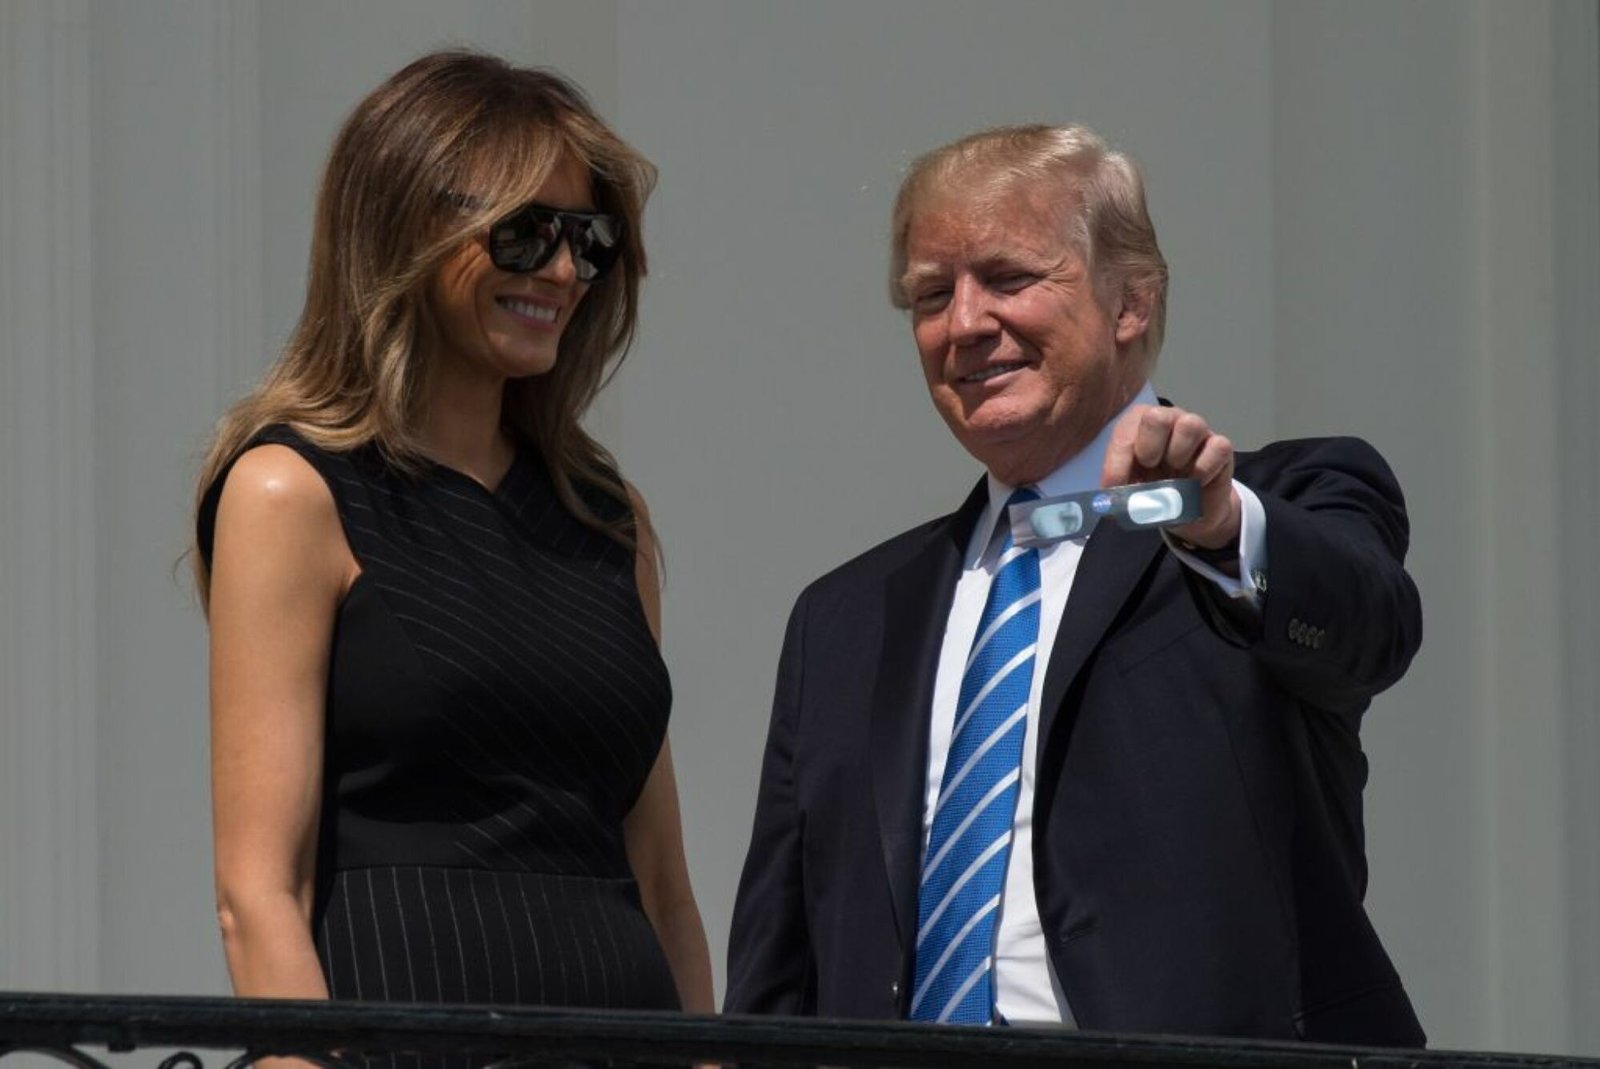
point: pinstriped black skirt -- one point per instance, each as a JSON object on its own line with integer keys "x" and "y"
{"x": 453, "y": 935}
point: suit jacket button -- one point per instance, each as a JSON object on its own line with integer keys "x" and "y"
{"x": 894, "y": 989}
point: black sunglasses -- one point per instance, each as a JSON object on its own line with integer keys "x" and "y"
{"x": 528, "y": 238}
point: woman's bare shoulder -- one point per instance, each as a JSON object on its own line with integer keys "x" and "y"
{"x": 272, "y": 482}
{"x": 278, "y": 514}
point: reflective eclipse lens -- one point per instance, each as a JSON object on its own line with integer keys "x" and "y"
{"x": 1152, "y": 507}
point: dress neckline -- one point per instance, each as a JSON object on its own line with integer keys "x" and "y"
{"x": 519, "y": 459}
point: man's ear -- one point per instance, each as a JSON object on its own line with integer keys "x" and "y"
{"x": 1133, "y": 314}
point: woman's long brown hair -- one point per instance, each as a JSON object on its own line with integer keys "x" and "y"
{"x": 355, "y": 371}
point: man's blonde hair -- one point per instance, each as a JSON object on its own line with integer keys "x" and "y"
{"x": 1101, "y": 194}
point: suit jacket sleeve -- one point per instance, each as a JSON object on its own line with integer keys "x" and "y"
{"x": 1341, "y": 619}
{"x": 771, "y": 968}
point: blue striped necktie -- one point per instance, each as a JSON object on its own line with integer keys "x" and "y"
{"x": 964, "y": 867}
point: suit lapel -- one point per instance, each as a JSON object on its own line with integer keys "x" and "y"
{"x": 917, "y": 599}
{"x": 1112, "y": 564}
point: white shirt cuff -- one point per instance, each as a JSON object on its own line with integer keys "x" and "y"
{"x": 1252, "y": 581}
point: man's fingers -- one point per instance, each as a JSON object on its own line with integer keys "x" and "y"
{"x": 1218, "y": 524}
{"x": 1152, "y": 442}
{"x": 1214, "y": 463}
{"x": 1152, "y": 437}
{"x": 1189, "y": 433}
{"x": 1118, "y": 467}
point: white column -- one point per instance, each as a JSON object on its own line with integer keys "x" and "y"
{"x": 1416, "y": 214}
{"x": 1515, "y": 437}
{"x": 233, "y": 131}
{"x": 1575, "y": 96}
{"x": 49, "y": 901}
{"x": 178, "y": 333}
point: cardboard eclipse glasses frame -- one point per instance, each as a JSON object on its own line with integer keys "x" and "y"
{"x": 1136, "y": 506}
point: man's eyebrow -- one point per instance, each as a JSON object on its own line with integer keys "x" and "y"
{"x": 998, "y": 262}
{"x": 1008, "y": 260}
{"x": 918, "y": 273}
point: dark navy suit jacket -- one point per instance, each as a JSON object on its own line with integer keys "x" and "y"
{"x": 1198, "y": 842}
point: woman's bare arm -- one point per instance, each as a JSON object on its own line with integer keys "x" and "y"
{"x": 280, "y": 566}
{"x": 654, "y": 830}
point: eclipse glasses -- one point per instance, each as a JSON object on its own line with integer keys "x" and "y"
{"x": 1165, "y": 503}
{"x": 529, "y": 237}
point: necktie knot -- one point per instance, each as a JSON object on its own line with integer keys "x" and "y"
{"x": 1020, "y": 496}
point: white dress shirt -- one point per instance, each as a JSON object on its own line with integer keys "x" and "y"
{"x": 1026, "y": 988}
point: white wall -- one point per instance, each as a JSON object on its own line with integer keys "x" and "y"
{"x": 1381, "y": 219}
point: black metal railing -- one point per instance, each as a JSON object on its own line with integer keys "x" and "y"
{"x": 236, "y": 1031}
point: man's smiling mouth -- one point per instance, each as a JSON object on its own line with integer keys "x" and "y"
{"x": 992, "y": 371}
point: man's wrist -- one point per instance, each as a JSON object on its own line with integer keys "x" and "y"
{"x": 1210, "y": 555}
{"x": 1223, "y": 558}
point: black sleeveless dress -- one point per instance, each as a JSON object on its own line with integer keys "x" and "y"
{"x": 495, "y": 702}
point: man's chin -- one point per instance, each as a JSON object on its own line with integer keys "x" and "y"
{"x": 999, "y": 447}
{"x": 1017, "y": 450}
{"x": 1004, "y": 432}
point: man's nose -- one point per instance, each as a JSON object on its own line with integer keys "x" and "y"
{"x": 971, "y": 318}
